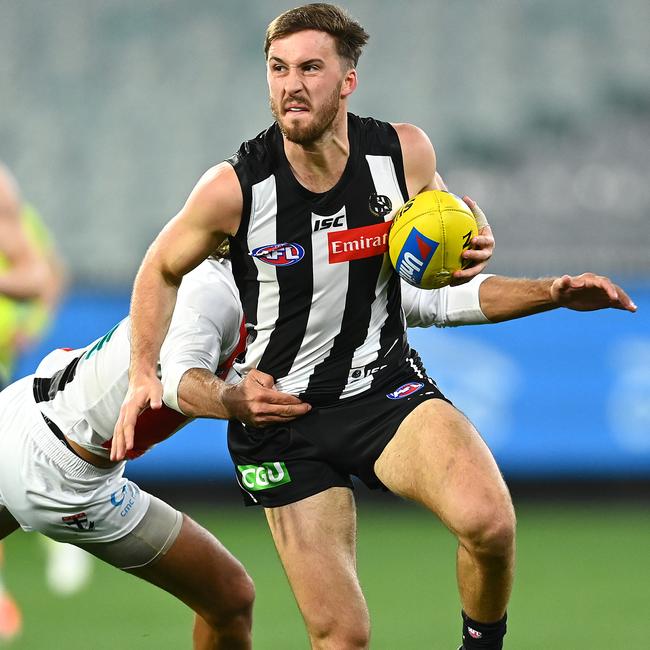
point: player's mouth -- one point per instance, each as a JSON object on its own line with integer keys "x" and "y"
{"x": 294, "y": 109}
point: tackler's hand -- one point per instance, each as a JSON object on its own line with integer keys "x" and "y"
{"x": 143, "y": 392}
{"x": 589, "y": 292}
{"x": 255, "y": 401}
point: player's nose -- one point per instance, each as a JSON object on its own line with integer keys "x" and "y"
{"x": 293, "y": 82}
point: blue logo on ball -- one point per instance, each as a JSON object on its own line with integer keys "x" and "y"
{"x": 415, "y": 256}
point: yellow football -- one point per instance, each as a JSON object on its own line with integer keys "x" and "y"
{"x": 428, "y": 236}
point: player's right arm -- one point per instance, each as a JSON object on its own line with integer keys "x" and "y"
{"x": 211, "y": 213}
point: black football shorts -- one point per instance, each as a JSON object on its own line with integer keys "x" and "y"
{"x": 280, "y": 464}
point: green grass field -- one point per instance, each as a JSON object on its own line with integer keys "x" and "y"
{"x": 583, "y": 583}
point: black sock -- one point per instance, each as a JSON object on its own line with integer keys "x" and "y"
{"x": 483, "y": 636}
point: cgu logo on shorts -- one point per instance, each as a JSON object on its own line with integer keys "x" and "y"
{"x": 264, "y": 476}
{"x": 405, "y": 390}
{"x": 279, "y": 254}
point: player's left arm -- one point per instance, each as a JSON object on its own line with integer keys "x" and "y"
{"x": 419, "y": 159}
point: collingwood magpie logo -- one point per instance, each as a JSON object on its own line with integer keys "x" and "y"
{"x": 379, "y": 205}
{"x": 80, "y": 521}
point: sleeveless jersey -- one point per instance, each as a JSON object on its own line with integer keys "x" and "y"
{"x": 81, "y": 391}
{"x": 320, "y": 297}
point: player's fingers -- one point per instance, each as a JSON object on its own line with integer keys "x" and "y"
{"x": 479, "y": 215}
{"x": 278, "y": 397}
{"x": 478, "y": 255}
{"x": 131, "y": 411}
{"x": 272, "y": 414}
{"x": 482, "y": 242}
{"x": 612, "y": 292}
{"x": 293, "y": 411}
{"x": 261, "y": 378}
{"x": 625, "y": 301}
{"x": 464, "y": 275}
{"x": 129, "y": 433}
{"x": 116, "y": 447}
{"x": 287, "y": 413}
{"x": 117, "y": 443}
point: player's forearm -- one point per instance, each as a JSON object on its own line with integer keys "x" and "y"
{"x": 152, "y": 305}
{"x": 505, "y": 298}
{"x": 200, "y": 394}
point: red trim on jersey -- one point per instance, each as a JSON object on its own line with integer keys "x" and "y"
{"x": 223, "y": 369}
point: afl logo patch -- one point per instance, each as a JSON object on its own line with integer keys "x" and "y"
{"x": 379, "y": 205}
{"x": 405, "y": 390}
{"x": 279, "y": 254}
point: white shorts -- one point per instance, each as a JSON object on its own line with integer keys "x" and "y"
{"x": 48, "y": 488}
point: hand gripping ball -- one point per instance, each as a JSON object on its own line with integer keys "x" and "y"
{"x": 427, "y": 237}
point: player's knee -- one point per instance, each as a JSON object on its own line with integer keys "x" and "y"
{"x": 492, "y": 533}
{"x": 241, "y": 595}
{"x": 341, "y": 639}
{"x": 340, "y": 632}
{"x": 235, "y": 610}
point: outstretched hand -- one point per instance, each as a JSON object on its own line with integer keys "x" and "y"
{"x": 589, "y": 292}
{"x": 482, "y": 246}
{"x": 255, "y": 401}
{"x": 143, "y": 392}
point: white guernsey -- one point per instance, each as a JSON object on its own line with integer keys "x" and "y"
{"x": 81, "y": 390}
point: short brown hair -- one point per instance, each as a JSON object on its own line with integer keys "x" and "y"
{"x": 349, "y": 35}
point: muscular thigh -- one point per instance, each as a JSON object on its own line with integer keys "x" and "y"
{"x": 316, "y": 541}
{"x": 437, "y": 458}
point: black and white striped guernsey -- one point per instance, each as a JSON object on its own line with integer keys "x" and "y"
{"x": 320, "y": 297}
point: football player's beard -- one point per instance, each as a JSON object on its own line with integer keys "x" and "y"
{"x": 306, "y": 134}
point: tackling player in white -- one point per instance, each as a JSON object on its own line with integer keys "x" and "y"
{"x": 56, "y": 477}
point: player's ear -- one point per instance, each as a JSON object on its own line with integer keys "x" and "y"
{"x": 349, "y": 83}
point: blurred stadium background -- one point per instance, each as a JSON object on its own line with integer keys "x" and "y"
{"x": 110, "y": 111}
